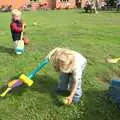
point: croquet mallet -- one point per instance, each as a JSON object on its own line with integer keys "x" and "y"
{"x": 113, "y": 60}
{"x": 25, "y": 78}
{"x": 12, "y": 84}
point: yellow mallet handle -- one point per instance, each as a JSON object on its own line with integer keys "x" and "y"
{"x": 114, "y": 60}
{"x": 11, "y": 83}
{"x": 6, "y": 91}
{"x": 118, "y": 58}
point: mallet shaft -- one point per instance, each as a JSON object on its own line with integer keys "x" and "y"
{"x": 42, "y": 64}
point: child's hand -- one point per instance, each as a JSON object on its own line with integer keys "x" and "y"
{"x": 69, "y": 99}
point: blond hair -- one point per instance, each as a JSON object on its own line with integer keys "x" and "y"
{"x": 63, "y": 59}
{"x": 16, "y": 12}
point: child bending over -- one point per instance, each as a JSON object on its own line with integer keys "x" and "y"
{"x": 71, "y": 65}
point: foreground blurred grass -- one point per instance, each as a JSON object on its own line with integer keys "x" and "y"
{"x": 95, "y": 36}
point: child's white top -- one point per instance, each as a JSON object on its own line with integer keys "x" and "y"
{"x": 118, "y": 2}
{"x": 79, "y": 65}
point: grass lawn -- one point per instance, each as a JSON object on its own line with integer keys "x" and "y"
{"x": 96, "y": 36}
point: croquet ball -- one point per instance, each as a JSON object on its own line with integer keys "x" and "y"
{"x": 34, "y": 24}
{"x": 65, "y": 101}
{"x": 26, "y": 40}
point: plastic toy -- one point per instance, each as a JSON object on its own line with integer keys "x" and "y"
{"x": 25, "y": 78}
{"x": 20, "y": 45}
{"x": 114, "y": 91}
{"x": 26, "y": 40}
{"x": 114, "y": 60}
{"x": 65, "y": 101}
{"x": 12, "y": 84}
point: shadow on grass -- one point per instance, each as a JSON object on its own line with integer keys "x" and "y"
{"x": 47, "y": 85}
{"x": 83, "y": 12}
{"x": 97, "y": 105}
{"x": 15, "y": 91}
{"x": 94, "y": 103}
{"x": 42, "y": 84}
{"x": 91, "y": 103}
{"x": 4, "y": 49}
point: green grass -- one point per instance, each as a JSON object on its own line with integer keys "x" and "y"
{"x": 96, "y": 36}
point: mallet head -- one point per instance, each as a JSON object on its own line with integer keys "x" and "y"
{"x": 26, "y": 80}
